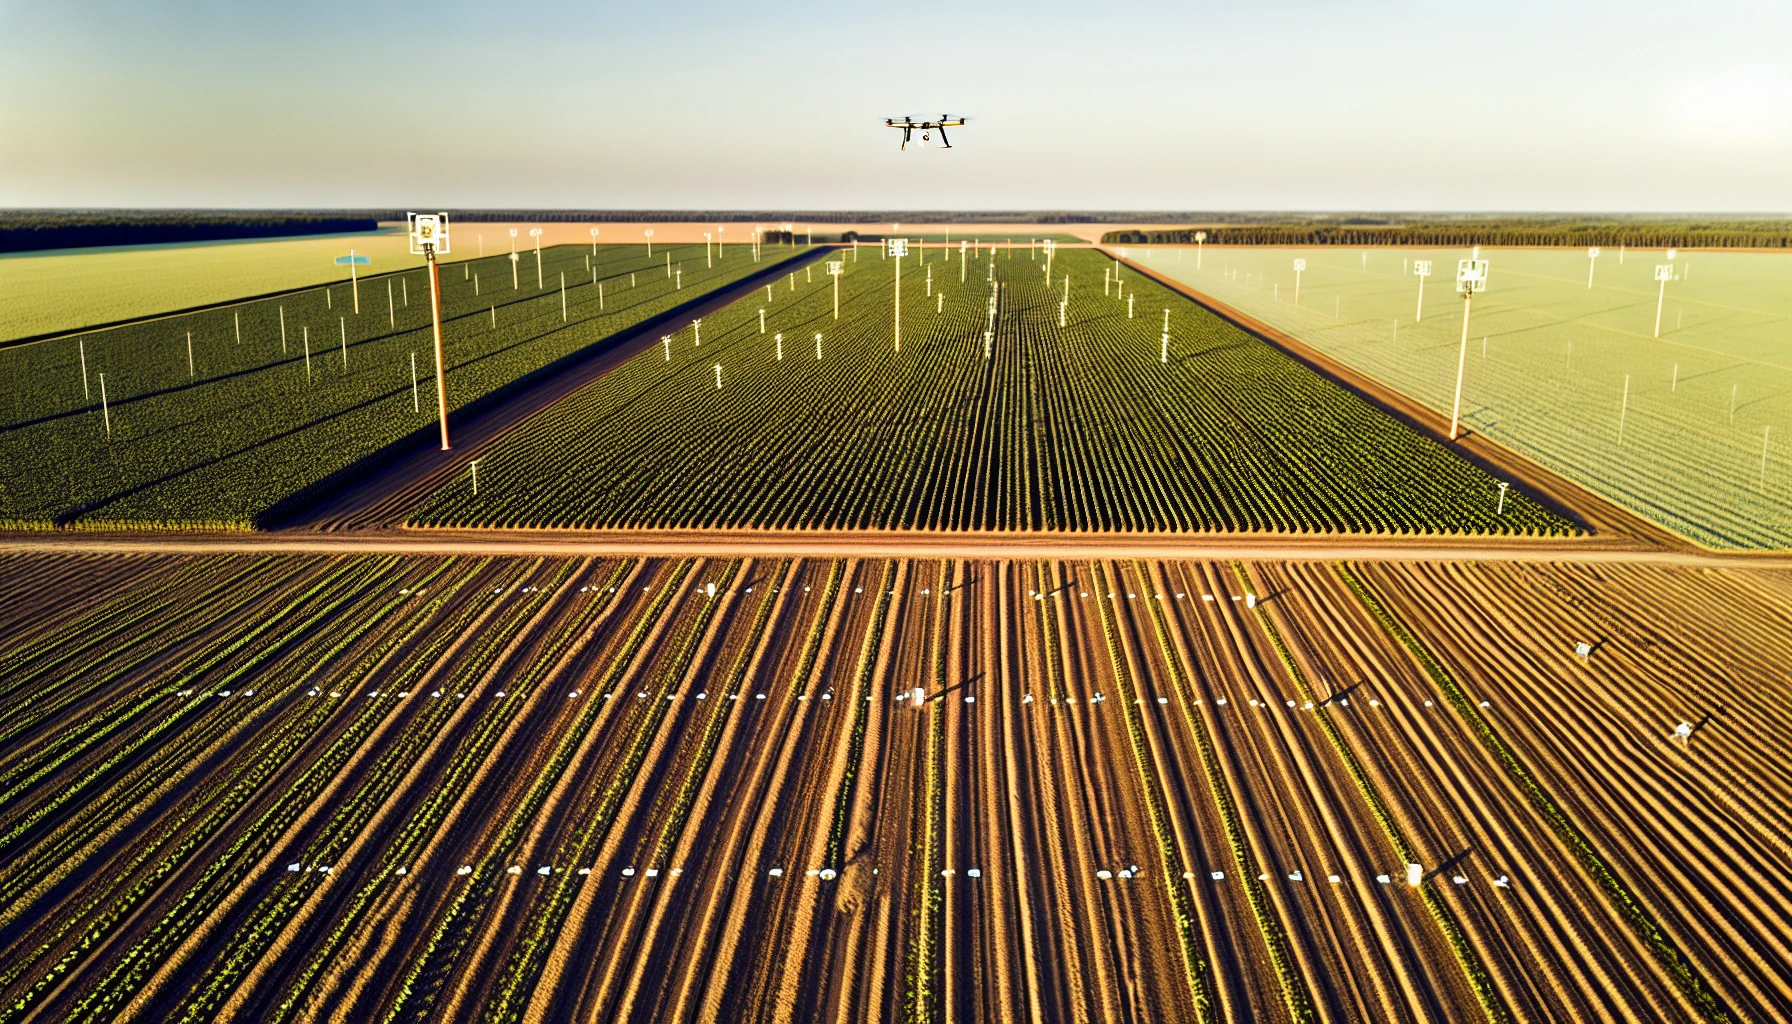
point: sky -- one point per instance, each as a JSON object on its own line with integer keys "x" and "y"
{"x": 1564, "y": 105}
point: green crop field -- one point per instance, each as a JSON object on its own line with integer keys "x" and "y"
{"x": 1691, "y": 430}
{"x": 69, "y": 290}
{"x": 1074, "y": 428}
{"x": 278, "y": 394}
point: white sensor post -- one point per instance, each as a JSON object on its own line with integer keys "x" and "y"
{"x": 1592, "y": 261}
{"x": 1300, "y": 267}
{"x": 898, "y": 248}
{"x": 1664, "y": 272}
{"x": 1421, "y": 269}
{"x": 429, "y": 238}
{"x": 835, "y": 268}
{"x": 1471, "y": 277}
{"x": 1200, "y": 237}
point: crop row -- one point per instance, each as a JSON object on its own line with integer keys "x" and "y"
{"x": 1474, "y": 969}
{"x": 1092, "y": 425}
{"x": 1623, "y": 902}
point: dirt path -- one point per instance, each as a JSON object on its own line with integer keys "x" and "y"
{"x": 966, "y": 545}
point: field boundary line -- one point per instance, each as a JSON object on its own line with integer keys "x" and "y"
{"x": 1671, "y": 958}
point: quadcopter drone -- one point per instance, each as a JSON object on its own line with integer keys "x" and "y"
{"x": 927, "y": 128}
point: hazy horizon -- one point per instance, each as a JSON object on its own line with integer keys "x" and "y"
{"x": 1649, "y": 107}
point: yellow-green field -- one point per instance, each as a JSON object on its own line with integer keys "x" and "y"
{"x": 69, "y": 289}
{"x": 1692, "y": 429}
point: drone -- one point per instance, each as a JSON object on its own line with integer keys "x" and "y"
{"x": 909, "y": 124}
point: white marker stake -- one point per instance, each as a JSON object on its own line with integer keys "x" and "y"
{"x": 236, "y": 322}
{"x": 818, "y": 347}
{"x": 282, "y": 330}
{"x": 600, "y": 295}
{"x": 474, "y": 466}
{"x": 189, "y": 354}
{"x": 392, "y": 310}
{"x": 1501, "y": 510}
{"x": 1663, "y": 271}
{"x": 328, "y": 302}
{"x": 718, "y": 376}
{"x": 1166, "y": 321}
{"x": 86, "y": 395}
{"x": 780, "y": 340}
{"x": 1592, "y": 261}
{"x": 1421, "y": 270}
{"x": 1299, "y": 267}
{"x": 1163, "y": 355}
{"x": 679, "y": 286}
{"x": 563, "y": 296}
{"x": 1624, "y": 408}
{"x": 342, "y": 325}
{"x": 404, "y": 292}
{"x": 1200, "y": 237}
{"x": 697, "y": 331}
{"x": 666, "y": 341}
{"x": 1129, "y": 299}
{"x": 762, "y": 323}
{"x": 105, "y": 410}
{"x": 415, "y": 405}
{"x": 305, "y": 333}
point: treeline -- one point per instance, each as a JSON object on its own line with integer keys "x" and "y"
{"x": 1639, "y": 234}
{"x": 33, "y": 230}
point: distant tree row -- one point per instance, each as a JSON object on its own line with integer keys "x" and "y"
{"x": 32, "y": 230}
{"x": 1765, "y": 234}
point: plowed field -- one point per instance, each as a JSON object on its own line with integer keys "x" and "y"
{"x": 370, "y": 788}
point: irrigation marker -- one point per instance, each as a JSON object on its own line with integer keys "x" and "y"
{"x": 1299, "y": 267}
{"x": 81, "y": 344}
{"x": 105, "y": 410}
{"x": 189, "y": 354}
{"x": 415, "y": 407}
{"x": 1592, "y": 261}
{"x": 835, "y": 267}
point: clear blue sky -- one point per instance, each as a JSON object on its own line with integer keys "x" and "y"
{"x": 1521, "y": 104}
